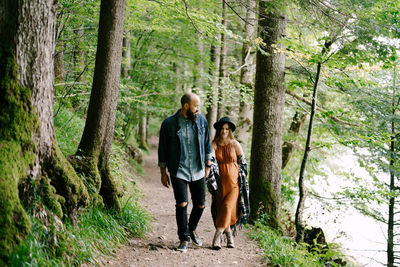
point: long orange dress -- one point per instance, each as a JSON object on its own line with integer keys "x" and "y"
{"x": 228, "y": 187}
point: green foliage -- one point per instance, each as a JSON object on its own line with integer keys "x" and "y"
{"x": 98, "y": 232}
{"x": 283, "y": 251}
{"x": 68, "y": 127}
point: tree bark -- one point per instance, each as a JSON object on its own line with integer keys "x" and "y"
{"x": 245, "y": 119}
{"x": 126, "y": 54}
{"x": 266, "y": 148}
{"x": 79, "y": 53}
{"x": 143, "y": 131}
{"x": 213, "y": 92}
{"x": 59, "y": 70}
{"x": 392, "y": 186}
{"x": 222, "y": 69}
{"x": 30, "y": 160}
{"x": 289, "y": 146}
{"x": 95, "y": 145}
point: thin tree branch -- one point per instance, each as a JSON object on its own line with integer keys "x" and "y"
{"x": 187, "y": 14}
{"x": 320, "y": 109}
{"x": 244, "y": 65}
{"x": 226, "y": 2}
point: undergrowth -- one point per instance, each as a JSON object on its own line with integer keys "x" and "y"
{"x": 283, "y": 251}
{"x": 98, "y": 231}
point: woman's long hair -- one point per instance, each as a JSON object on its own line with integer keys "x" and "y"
{"x": 217, "y": 136}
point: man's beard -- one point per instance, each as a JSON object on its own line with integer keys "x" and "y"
{"x": 191, "y": 116}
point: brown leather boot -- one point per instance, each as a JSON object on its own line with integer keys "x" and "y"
{"x": 229, "y": 237}
{"x": 216, "y": 244}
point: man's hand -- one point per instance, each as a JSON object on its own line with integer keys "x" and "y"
{"x": 207, "y": 169}
{"x": 165, "y": 178}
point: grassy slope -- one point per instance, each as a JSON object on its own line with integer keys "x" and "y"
{"x": 98, "y": 231}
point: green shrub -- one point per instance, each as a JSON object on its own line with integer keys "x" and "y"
{"x": 283, "y": 251}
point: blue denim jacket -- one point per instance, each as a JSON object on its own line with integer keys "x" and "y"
{"x": 169, "y": 145}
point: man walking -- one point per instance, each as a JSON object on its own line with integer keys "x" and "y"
{"x": 185, "y": 149}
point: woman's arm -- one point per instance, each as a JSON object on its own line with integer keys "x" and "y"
{"x": 213, "y": 148}
{"x": 238, "y": 148}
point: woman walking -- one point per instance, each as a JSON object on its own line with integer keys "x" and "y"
{"x": 227, "y": 151}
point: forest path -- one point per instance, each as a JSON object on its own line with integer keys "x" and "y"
{"x": 158, "y": 247}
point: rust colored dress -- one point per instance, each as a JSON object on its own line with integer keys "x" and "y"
{"x": 228, "y": 187}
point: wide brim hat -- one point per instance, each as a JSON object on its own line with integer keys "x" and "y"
{"x": 222, "y": 121}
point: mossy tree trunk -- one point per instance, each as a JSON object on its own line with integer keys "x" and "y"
{"x": 95, "y": 146}
{"x": 266, "y": 148}
{"x": 30, "y": 159}
{"x": 245, "y": 119}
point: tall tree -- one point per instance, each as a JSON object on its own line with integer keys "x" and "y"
{"x": 222, "y": 63}
{"x": 213, "y": 92}
{"x": 391, "y": 259}
{"x": 300, "y": 206}
{"x": 247, "y": 76}
{"x": 126, "y": 54}
{"x": 95, "y": 145}
{"x": 30, "y": 162}
{"x": 266, "y": 148}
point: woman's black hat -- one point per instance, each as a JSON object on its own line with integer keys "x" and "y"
{"x": 222, "y": 121}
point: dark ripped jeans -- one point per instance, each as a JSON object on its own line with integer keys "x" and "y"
{"x": 198, "y": 193}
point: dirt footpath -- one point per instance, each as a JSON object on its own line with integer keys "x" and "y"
{"x": 158, "y": 247}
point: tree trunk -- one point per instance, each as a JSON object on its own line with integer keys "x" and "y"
{"x": 78, "y": 52}
{"x": 213, "y": 92}
{"x": 59, "y": 71}
{"x": 143, "y": 131}
{"x": 95, "y": 145}
{"x": 30, "y": 159}
{"x": 289, "y": 146}
{"x": 222, "y": 71}
{"x": 392, "y": 186}
{"x": 126, "y": 54}
{"x": 198, "y": 72}
{"x": 247, "y": 77}
{"x": 176, "y": 80}
{"x": 300, "y": 205}
{"x": 266, "y": 147}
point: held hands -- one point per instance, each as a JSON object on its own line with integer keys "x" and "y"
{"x": 165, "y": 180}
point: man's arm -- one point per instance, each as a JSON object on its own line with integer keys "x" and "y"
{"x": 164, "y": 177}
{"x": 162, "y": 157}
{"x": 207, "y": 151}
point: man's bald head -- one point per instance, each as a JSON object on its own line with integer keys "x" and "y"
{"x": 190, "y": 105}
{"x": 186, "y": 98}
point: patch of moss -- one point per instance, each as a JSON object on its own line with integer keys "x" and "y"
{"x": 263, "y": 202}
{"x": 87, "y": 168}
{"x": 50, "y": 198}
{"x": 66, "y": 182}
{"x": 109, "y": 190}
{"x": 17, "y": 152}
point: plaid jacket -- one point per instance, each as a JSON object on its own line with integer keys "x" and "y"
{"x": 243, "y": 203}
